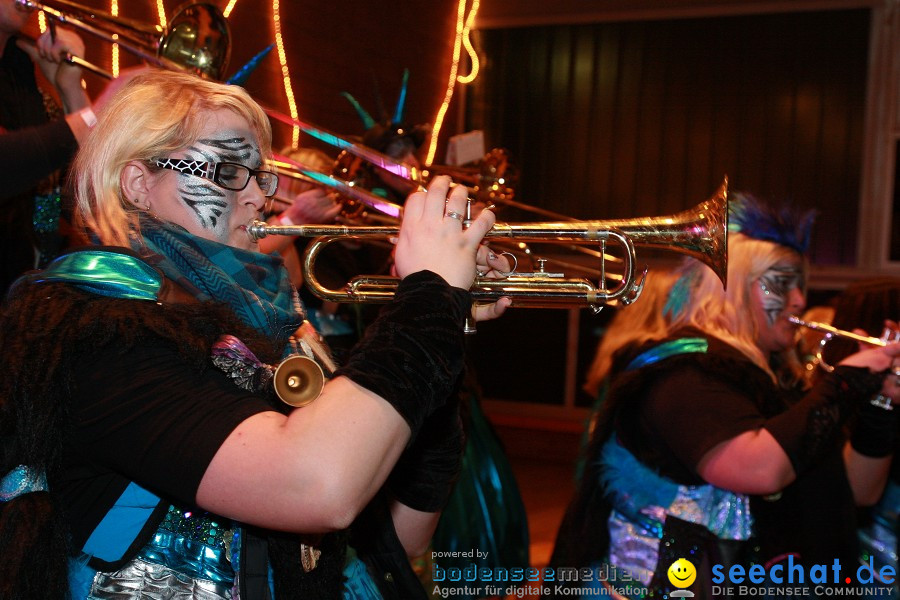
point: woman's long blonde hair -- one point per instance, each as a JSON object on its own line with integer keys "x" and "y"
{"x": 726, "y": 314}
{"x": 153, "y": 115}
{"x": 633, "y": 324}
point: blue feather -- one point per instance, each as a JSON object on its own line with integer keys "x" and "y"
{"x": 631, "y": 484}
{"x": 242, "y": 74}
{"x": 81, "y": 576}
{"x": 679, "y": 295}
{"x": 786, "y": 226}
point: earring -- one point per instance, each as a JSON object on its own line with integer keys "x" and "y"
{"x": 139, "y": 205}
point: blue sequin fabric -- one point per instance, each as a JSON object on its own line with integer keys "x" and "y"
{"x": 22, "y": 480}
{"x": 643, "y": 499}
{"x": 194, "y": 544}
{"x": 878, "y": 538}
{"x": 47, "y": 209}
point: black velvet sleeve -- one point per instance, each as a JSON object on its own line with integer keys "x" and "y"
{"x": 426, "y": 472}
{"x": 30, "y": 154}
{"x": 412, "y": 355}
{"x": 875, "y": 431}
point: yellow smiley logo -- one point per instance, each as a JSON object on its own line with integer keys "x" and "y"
{"x": 682, "y": 573}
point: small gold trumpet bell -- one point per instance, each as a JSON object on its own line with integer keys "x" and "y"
{"x": 298, "y": 381}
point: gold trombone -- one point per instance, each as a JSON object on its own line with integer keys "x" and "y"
{"x": 197, "y": 39}
{"x": 492, "y": 180}
{"x": 289, "y": 167}
{"x": 700, "y": 232}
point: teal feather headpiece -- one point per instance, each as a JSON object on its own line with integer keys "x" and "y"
{"x": 365, "y": 117}
{"x": 785, "y": 226}
{"x": 679, "y": 295}
{"x": 390, "y": 128}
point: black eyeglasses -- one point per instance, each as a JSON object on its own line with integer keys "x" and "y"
{"x": 231, "y": 176}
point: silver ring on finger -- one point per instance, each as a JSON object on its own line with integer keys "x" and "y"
{"x": 454, "y": 215}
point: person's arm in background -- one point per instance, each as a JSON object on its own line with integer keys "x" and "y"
{"x": 314, "y": 206}
{"x": 29, "y": 154}
{"x": 48, "y": 53}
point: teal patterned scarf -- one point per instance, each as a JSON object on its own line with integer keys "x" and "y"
{"x": 254, "y": 285}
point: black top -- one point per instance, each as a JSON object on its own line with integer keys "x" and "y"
{"x": 689, "y": 410}
{"x": 686, "y": 413}
{"x": 32, "y": 149}
{"x": 134, "y": 416}
{"x": 696, "y": 401}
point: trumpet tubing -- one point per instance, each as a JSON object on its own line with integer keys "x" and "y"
{"x": 539, "y": 289}
{"x": 833, "y": 332}
{"x": 700, "y": 233}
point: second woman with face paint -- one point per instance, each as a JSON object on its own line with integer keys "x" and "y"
{"x": 709, "y": 448}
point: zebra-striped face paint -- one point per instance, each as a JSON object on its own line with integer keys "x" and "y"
{"x": 779, "y": 293}
{"x": 200, "y": 205}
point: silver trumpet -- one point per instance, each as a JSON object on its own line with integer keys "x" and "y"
{"x": 888, "y": 336}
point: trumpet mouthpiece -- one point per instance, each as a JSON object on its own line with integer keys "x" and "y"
{"x": 256, "y": 230}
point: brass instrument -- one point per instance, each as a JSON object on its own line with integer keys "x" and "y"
{"x": 297, "y": 170}
{"x": 370, "y": 155}
{"x": 888, "y": 336}
{"x": 197, "y": 38}
{"x": 700, "y": 232}
{"x": 491, "y": 181}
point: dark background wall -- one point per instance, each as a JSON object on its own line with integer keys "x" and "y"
{"x": 612, "y": 120}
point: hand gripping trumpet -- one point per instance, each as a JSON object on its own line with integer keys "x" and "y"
{"x": 700, "y": 232}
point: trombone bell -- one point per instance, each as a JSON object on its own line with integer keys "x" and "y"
{"x": 198, "y": 38}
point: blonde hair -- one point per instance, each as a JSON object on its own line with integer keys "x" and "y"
{"x": 725, "y": 314}
{"x": 633, "y": 324}
{"x": 153, "y": 115}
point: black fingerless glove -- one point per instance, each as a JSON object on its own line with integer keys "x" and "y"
{"x": 807, "y": 429}
{"x": 875, "y": 431}
{"x": 424, "y": 476}
{"x": 412, "y": 355}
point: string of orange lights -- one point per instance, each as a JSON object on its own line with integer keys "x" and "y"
{"x": 463, "y": 26}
